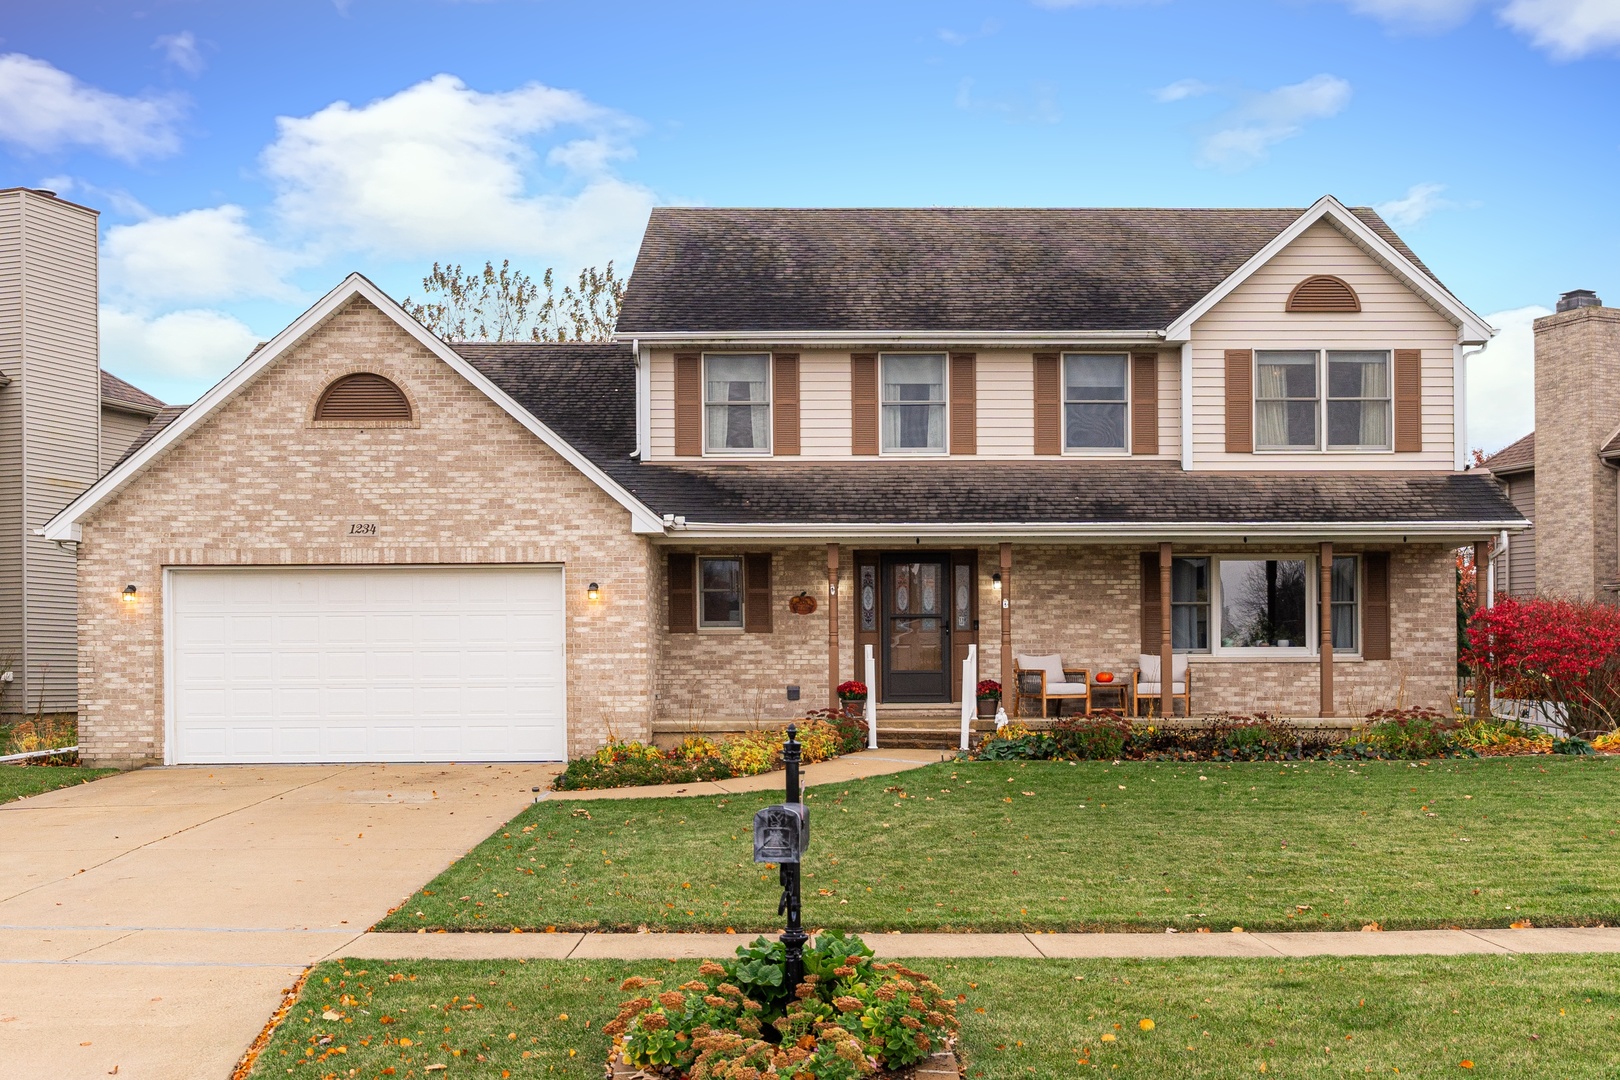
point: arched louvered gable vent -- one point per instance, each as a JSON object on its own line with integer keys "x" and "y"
{"x": 363, "y": 397}
{"x": 1323, "y": 293}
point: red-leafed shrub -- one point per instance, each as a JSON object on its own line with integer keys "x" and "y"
{"x": 1562, "y": 652}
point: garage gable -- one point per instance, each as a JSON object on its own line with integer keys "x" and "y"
{"x": 66, "y": 525}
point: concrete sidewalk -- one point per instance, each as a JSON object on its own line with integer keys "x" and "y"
{"x": 839, "y": 770}
{"x": 1032, "y": 946}
{"x": 149, "y": 921}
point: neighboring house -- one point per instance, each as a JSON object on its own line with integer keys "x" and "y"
{"x": 1574, "y": 549}
{"x": 63, "y": 421}
{"x": 1230, "y": 434}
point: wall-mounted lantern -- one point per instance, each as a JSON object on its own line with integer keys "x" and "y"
{"x": 593, "y": 591}
{"x": 129, "y": 594}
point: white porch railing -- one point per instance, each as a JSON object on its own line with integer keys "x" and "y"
{"x": 970, "y": 687}
{"x": 871, "y": 699}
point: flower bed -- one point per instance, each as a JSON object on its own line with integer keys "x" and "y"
{"x": 696, "y": 758}
{"x": 1406, "y": 734}
{"x": 739, "y": 1020}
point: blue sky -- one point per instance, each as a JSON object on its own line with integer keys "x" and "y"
{"x": 246, "y": 155}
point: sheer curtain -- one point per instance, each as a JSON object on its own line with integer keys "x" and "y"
{"x": 1271, "y": 406}
{"x": 1375, "y": 403}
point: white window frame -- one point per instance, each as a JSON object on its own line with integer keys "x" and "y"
{"x": 1321, "y": 445}
{"x": 913, "y": 451}
{"x": 742, "y": 594}
{"x": 769, "y": 448}
{"x": 1313, "y": 606}
{"x": 1124, "y": 449}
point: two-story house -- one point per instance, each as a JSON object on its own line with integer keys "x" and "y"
{"x": 1227, "y": 435}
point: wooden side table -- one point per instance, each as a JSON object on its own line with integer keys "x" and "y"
{"x": 1121, "y": 685}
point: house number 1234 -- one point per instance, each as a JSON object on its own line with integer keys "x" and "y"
{"x": 363, "y": 528}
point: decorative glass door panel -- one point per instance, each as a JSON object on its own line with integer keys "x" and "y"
{"x": 916, "y": 625}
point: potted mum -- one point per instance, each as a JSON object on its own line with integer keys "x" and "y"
{"x": 852, "y": 694}
{"x": 989, "y": 695}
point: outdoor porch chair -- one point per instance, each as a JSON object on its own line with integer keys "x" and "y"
{"x": 1044, "y": 679}
{"x": 1147, "y": 684}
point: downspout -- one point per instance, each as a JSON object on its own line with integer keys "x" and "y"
{"x": 1459, "y": 403}
{"x": 1186, "y": 406}
{"x": 643, "y": 364}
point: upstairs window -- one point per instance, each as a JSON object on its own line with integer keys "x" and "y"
{"x": 1285, "y": 401}
{"x": 1291, "y": 411}
{"x": 1094, "y": 395}
{"x": 361, "y": 398}
{"x": 913, "y": 403}
{"x": 1358, "y": 400}
{"x": 737, "y": 403}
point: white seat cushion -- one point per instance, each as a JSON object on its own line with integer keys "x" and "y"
{"x": 1052, "y": 665}
{"x": 1150, "y": 689}
{"x": 1065, "y": 687}
{"x": 1150, "y": 669}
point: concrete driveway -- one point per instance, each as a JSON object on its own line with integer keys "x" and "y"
{"x": 150, "y": 921}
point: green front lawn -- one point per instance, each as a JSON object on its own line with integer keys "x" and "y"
{"x": 1089, "y": 846}
{"x": 1420, "y": 1016}
{"x": 21, "y": 781}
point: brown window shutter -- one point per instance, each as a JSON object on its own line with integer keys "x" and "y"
{"x": 964, "y": 403}
{"x": 689, "y": 404}
{"x": 1144, "y": 403}
{"x": 1048, "y": 404}
{"x": 785, "y": 404}
{"x": 1375, "y": 606}
{"x": 757, "y": 593}
{"x": 681, "y": 586}
{"x": 1409, "y": 401}
{"x": 863, "y": 403}
{"x": 1151, "y": 635}
{"x": 1240, "y": 401}
{"x": 362, "y": 397}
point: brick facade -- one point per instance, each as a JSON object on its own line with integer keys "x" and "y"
{"x": 1577, "y": 409}
{"x": 1083, "y": 602}
{"x": 258, "y": 483}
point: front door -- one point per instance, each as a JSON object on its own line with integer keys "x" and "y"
{"x": 916, "y": 627}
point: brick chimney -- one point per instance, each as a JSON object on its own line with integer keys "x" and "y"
{"x": 1577, "y": 411}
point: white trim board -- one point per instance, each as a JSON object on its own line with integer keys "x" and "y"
{"x": 1471, "y": 329}
{"x": 65, "y": 525}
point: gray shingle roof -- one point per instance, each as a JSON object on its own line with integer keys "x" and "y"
{"x": 1513, "y": 458}
{"x": 586, "y": 393}
{"x": 950, "y": 269}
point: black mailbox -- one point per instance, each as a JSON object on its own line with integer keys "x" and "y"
{"x": 781, "y": 833}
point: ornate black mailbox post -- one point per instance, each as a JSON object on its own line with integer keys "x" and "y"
{"x": 781, "y": 836}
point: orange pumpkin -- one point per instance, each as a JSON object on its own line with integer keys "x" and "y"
{"x": 1105, "y": 676}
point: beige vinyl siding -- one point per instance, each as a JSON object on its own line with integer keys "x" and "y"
{"x": 61, "y": 433}
{"x": 118, "y": 431}
{"x": 11, "y": 394}
{"x": 1005, "y": 404}
{"x": 1252, "y": 317}
{"x": 1521, "y": 552}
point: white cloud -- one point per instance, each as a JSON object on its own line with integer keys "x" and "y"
{"x": 1566, "y": 28}
{"x": 1417, "y": 15}
{"x": 181, "y": 51}
{"x": 1419, "y": 202}
{"x": 44, "y": 109}
{"x": 1502, "y": 381}
{"x": 1041, "y": 107}
{"x": 1249, "y": 130}
{"x": 962, "y": 37}
{"x": 197, "y": 256}
{"x": 439, "y": 168}
{"x": 1182, "y": 88}
{"x": 183, "y": 350}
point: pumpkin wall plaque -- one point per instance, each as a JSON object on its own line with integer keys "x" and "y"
{"x": 803, "y": 604}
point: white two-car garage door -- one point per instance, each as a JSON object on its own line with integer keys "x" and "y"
{"x": 370, "y": 664}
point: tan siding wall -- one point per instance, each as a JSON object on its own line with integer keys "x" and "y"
{"x": 11, "y": 459}
{"x": 258, "y": 484}
{"x": 118, "y": 430}
{"x": 1252, "y": 317}
{"x": 1521, "y": 555}
{"x": 1005, "y": 404}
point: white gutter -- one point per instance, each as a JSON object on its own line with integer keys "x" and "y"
{"x": 888, "y": 337}
{"x": 678, "y": 529}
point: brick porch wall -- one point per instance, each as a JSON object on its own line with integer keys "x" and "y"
{"x": 259, "y": 484}
{"x": 1081, "y": 602}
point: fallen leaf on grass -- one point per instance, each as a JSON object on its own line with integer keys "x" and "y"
{"x": 1371, "y": 928}
{"x": 1110, "y": 1037}
{"x": 331, "y": 1014}
{"x": 1522, "y": 924}
{"x": 1465, "y": 1064}
{"x": 1145, "y": 1024}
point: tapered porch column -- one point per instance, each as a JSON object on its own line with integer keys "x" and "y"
{"x": 1006, "y": 616}
{"x": 1324, "y": 621}
{"x": 1167, "y": 648}
{"x": 832, "y": 628}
